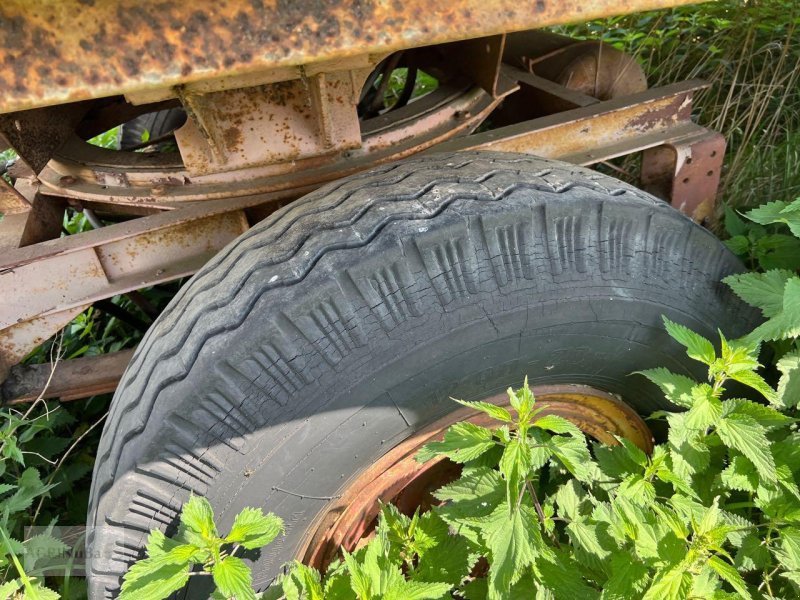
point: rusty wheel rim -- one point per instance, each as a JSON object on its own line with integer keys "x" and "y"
{"x": 399, "y": 479}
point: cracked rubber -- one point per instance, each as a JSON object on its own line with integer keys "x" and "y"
{"x": 345, "y": 321}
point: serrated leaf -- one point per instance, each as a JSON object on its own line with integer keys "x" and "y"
{"x": 764, "y": 415}
{"x": 697, "y": 347}
{"x": 513, "y": 540}
{"x": 557, "y": 424}
{"x": 493, "y": 410}
{"x": 153, "y": 579}
{"x": 755, "y": 381}
{"x": 787, "y": 551}
{"x": 706, "y": 408}
{"x": 584, "y": 536}
{"x": 514, "y": 466}
{"x": 233, "y": 578}
{"x": 669, "y": 584}
{"x": 777, "y": 251}
{"x": 729, "y": 573}
{"x": 569, "y": 497}
{"x": 743, "y": 433}
{"x": 740, "y": 474}
{"x": 8, "y": 588}
{"x": 450, "y": 561}
{"x": 302, "y": 583}
{"x": 784, "y": 324}
{"x": 738, "y": 244}
{"x": 629, "y": 578}
{"x": 253, "y": 529}
{"x": 676, "y": 388}
{"x": 788, "y": 394}
{"x": 462, "y": 443}
{"x": 198, "y": 516}
{"x": 762, "y": 290}
{"x": 637, "y": 490}
{"x": 560, "y": 575}
{"x": 752, "y": 555}
{"x": 776, "y": 212}
{"x": 734, "y": 224}
{"x": 573, "y": 453}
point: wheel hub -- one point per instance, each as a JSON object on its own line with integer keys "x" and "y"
{"x": 399, "y": 479}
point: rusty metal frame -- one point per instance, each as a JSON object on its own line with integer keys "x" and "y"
{"x": 45, "y": 284}
{"x": 59, "y": 52}
{"x": 234, "y": 167}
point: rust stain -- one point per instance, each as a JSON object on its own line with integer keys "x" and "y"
{"x": 56, "y": 52}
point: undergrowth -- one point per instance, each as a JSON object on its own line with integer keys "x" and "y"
{"x": 748, "y": 50}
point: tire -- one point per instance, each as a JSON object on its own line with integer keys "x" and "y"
{"x": 345, "y": 321}
{"x": 156, "y": 124}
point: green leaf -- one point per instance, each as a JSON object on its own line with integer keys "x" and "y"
{"x": 764, "y": 415}
{"x": 743, "y": 433}
{"x": 573, "y": 453}
{"x": 755, "y": 381}
{"x": 734, "y": 224}
{"x": 493, "y": 410}
{"x": 253, "y": 529}
{"x": 669, "y": 584}
{"x": 513, "y": 540}
{"x": 697, "y": 347}
{"x": 777, "y": 251}
{"x": 788, "y": 395}
{"x": 776, "y": 212}
{"x": 569, "y": 497}
{"x": 629, "y": 578}
{"x": 729, "y": 574}
{"x": 154, "y": 579}
{"x": 752, "y": 555}
{"x": 8, "y": 588}
{"x": 302, "y": 582}
{"x": 788, "y": 549}
{"x": 762, "y": 290}
{"x": 676, "y": 388}
{"x": 584, "y": 536}
{"x": 198, "y": 516}
{"x": 450, "y": 561}
{"x": 637, "y": 489}
{"x": 233, "y": 578}
{"x": 557, "y": 424}
{"x": 706, "y": 408}
{"x": 740, "y": 475}
{"x": 738, "y": 244}
{"x": 462, "y": 443}
{"x": 158, "y": 544}
{"x": 515, "y": 465}
{"x": 786, "y": 323}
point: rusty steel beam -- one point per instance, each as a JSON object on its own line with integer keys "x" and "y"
{"x": 592, "y": 126}
{"x": 58, "y": 52}
{"x": 66, "y": 380}
{"x": 46, "y": 285}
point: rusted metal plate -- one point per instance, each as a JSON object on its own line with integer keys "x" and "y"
{"x": 269, "y": 124}
{"x": 687, "y": 171}
{"x": 18, "y": 341}
{"x": 57, "y": 52}
{"x": 66, "y": 380}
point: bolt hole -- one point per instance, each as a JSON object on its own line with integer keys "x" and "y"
{"x": 710, "y": 173}
{"x": 689, "y": 160}
{"x": 685, "y": 180}
{"x": 713, "y": 153}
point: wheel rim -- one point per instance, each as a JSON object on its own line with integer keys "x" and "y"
{"x": 399, "y": 479}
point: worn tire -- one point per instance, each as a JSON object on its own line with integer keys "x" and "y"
{"x": 344, "y": 322}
